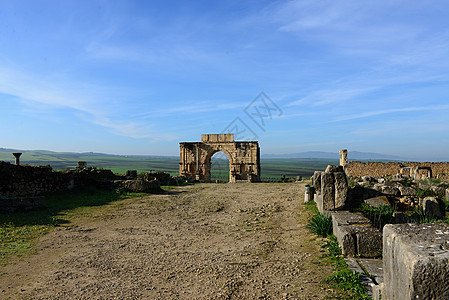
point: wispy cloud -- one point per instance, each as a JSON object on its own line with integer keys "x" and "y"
{"x": 390, "y": 111}
{"x": 195, "y": 108}
{"x": 325, "y": 97}
{"x": 93, "y": 107}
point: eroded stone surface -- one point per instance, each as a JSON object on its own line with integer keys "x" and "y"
{"x": 316, "y": 181}
{"x": 334, "y": 189}
{"x": 415, "y": 261}
{"x": 341, "y": 190}
{"x": 327, "y": 192}
{"x": 355, "y": 235}
{"x": 434, "y": 207}
{"x": 378, "y": 201}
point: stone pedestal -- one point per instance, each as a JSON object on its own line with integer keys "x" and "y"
{"x": 17, "y": 156}
{"x": 309, "y": 192}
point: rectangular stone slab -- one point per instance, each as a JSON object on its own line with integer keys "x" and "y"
{"x": 416, "y": 261}
{"x": 341, "y": 190}
{"x": 355, "y": 235}
{"x": 327, "y": 192}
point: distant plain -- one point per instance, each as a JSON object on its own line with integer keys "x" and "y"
{"x": 270, "y": 167}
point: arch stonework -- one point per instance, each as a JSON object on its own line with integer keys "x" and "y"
{"x": 244, "y": 157}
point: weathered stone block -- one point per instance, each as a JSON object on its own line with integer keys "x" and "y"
{"x": 434, "y": 207}
{"x": 355, "y": 235}
{"x": 378, "y": 201}
{"x": 140, "y": 186}
{"x": 327, "y": 191}
{"x": 316, "y": 181}
{"x": 438, "y": 190}
{"x": 390, "y": 190}
{"x": 369, "y": 241}
{"x": 415, "y": 261}
{"x": 407, "y": 191}
{"x": 331, "y": 168}
{"x": 378, "y": 291}
{"x": 341, "y": 190}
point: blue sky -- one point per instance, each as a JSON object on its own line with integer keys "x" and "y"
{"x": 138, "y": 77}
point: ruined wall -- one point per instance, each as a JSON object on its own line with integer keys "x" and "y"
{"x": 378, "y": 169}
{"x": 30, "y": 181}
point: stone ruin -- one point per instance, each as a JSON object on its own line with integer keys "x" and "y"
{"x": 331, "y": 188}
{"x": 415, "y": 256}
{"x": 23, "y": 187}
{"x": 244, "y": 157}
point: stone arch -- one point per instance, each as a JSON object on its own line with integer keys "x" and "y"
{"x": 207, "y": 162}
{"x": 244, "y": 157}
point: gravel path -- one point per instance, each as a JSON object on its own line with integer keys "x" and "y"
{"x": 206, "y": 241}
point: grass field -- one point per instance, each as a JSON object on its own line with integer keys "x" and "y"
{"x": 270, "y": 168}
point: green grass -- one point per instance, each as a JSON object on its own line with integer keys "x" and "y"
{"x": 20, "y": 231}
{"x": 343, "y": 279}
{"x": 379, "y": 216}
{"x": 321, "y": 224}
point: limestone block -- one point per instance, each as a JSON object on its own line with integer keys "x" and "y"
{"x": 440, "y": 191}
{"x": 139, "y": 185}
{"x": 415, "y": 261}
{"x": 331, "y": 168}
{"x": 434, "y": 207}
{"x": 378, "y": 201}
{"x": 369, "y": 241}
{"x": 367, "y": 178}
{"x": 355, "y": 235}
{"x": 407, "y": 191}
{"x": 378, "y": 187}
{"x": 327, "y": 191}
{"x": 316, "y": 181}
{"x": 378, "y": 291}
{"x": 341, "y": 190}
{"x": 390, "y": 190}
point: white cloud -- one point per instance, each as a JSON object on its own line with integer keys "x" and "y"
{"x": 81, "y": 99}
{"x": 390, "y": 111}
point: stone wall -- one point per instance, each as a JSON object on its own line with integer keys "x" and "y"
{"x": 31, "y": 181}
{"x": 28, "y": 181}
{"x": 378, "y": 169}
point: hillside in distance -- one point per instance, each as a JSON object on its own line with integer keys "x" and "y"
{"x": 270, "y": 167}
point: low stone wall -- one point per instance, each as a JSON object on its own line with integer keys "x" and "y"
{"x": 379, "y": 169}
{"x": 31, "y": 181}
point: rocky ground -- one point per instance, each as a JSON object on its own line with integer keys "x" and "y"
{"x": 206, "y": 241}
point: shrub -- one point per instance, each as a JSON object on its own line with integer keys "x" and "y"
{"x": 379, "y": 216}
{"x": 422, "y": 193}
{"x": 349, "y": 281}
{"x": 321, "y": 224}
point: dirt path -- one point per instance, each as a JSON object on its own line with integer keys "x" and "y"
{"x": 207, "y": 241}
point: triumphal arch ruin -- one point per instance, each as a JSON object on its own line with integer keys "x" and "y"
{"x": 244, "y": 157}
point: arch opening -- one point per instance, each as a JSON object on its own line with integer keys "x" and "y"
{"x": 219, "y": 167}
